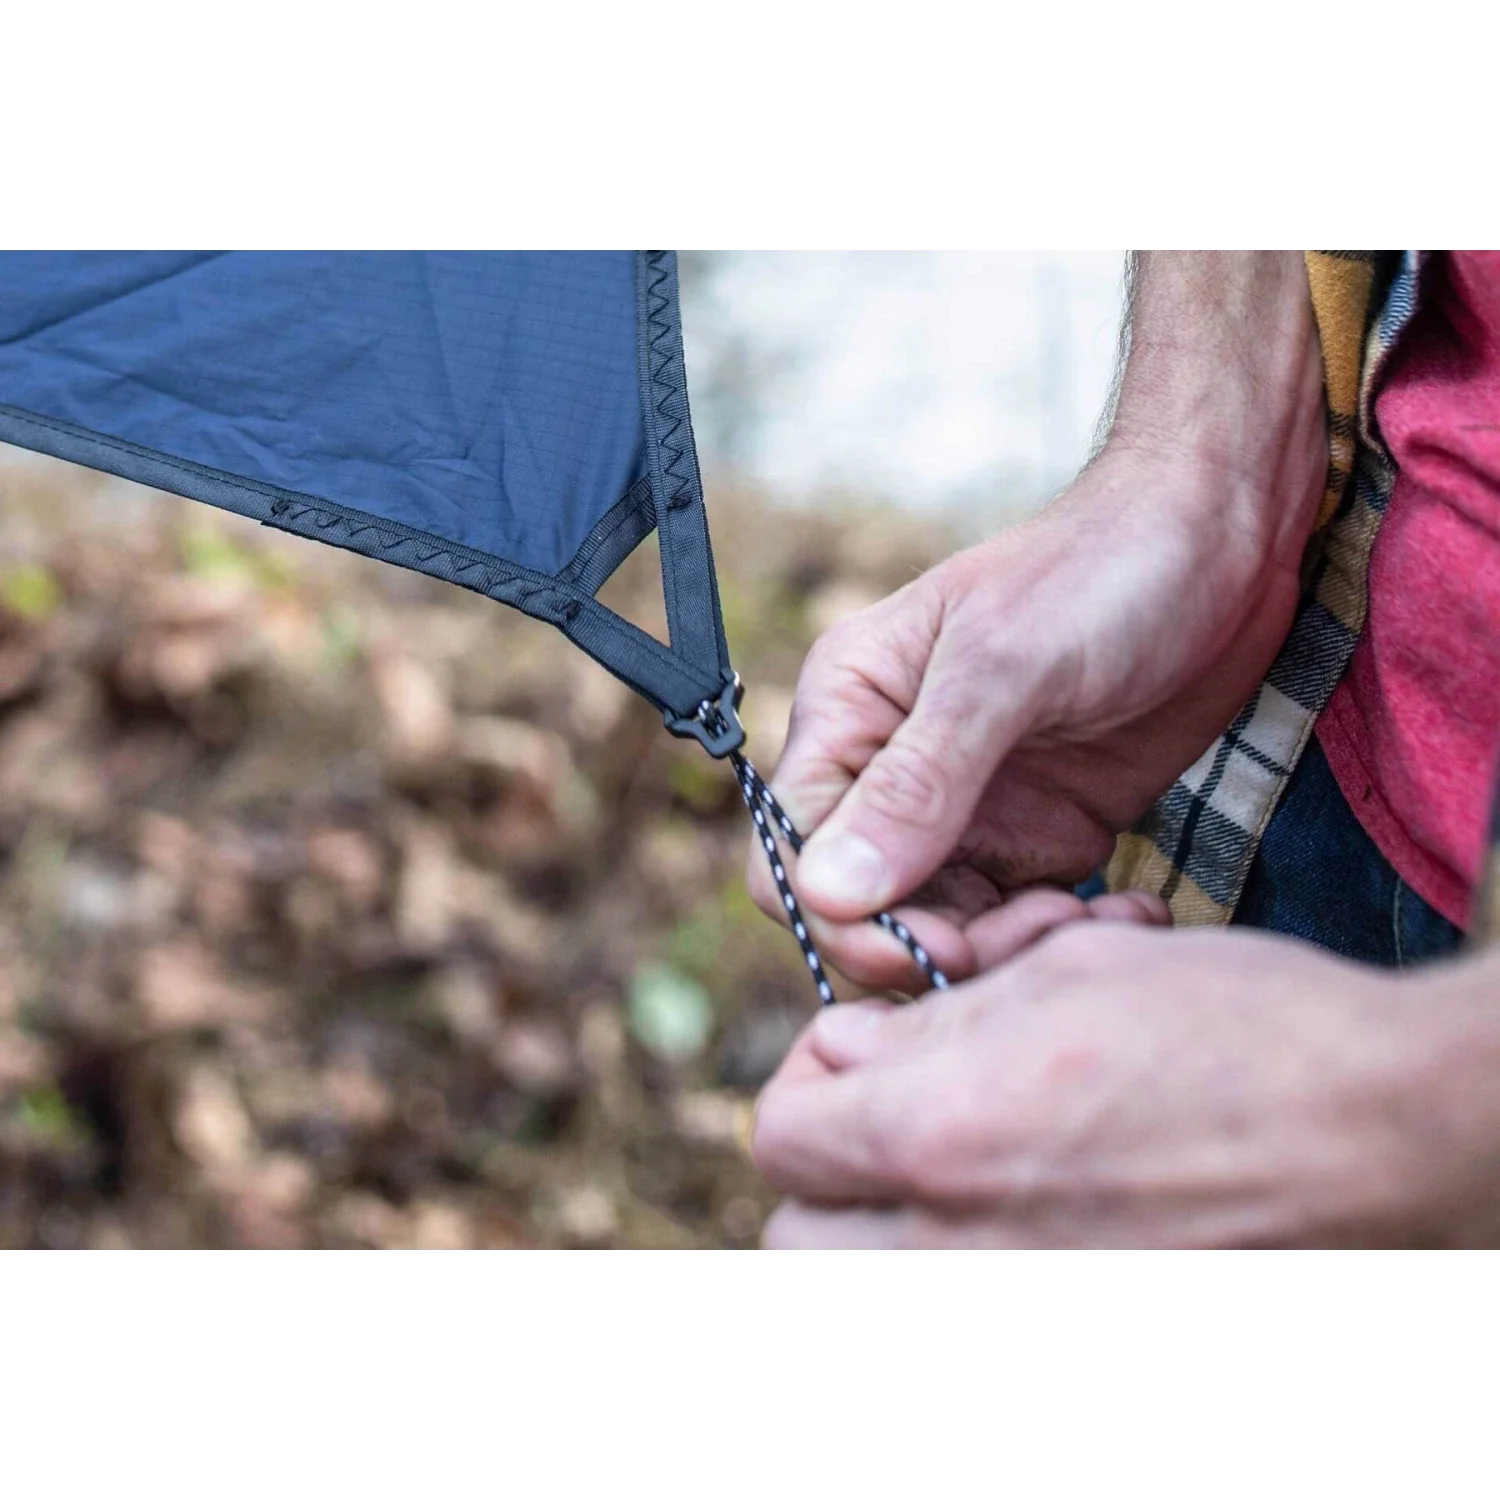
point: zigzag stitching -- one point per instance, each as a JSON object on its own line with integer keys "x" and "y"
{"x": 292, "y": 517}
{"x": 525, "y": 591}
{"x": 662, "y": 356}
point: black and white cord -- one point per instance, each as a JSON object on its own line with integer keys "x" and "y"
{"x": 771, "y": 818}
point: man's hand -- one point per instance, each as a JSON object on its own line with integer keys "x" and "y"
{"x": 1120, "y": 1086}
{"x": 998, "y": 721}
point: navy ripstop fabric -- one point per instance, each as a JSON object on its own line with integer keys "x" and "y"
{"x": 514, "y": 422}
{"x": 491, "y": 400}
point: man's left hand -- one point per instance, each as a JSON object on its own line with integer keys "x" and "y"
{"x": 1124, "y": 1085}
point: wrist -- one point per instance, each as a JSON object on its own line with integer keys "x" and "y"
{"x": 1226, "y": 528}
{"x": 1223, "y": 384}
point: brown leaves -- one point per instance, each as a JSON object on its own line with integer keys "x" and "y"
{"x": 427, "y": 906}
{"x": 350, "y": 861}
{"x": 416, "y": 723}
{"x": 188, "y": 635}
{"x": 339, "y": 907}
{"x": 20, "y": 665}
{"x": 181, "y": 985}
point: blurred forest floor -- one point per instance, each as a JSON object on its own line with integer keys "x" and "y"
{"x": 340, "y": 907}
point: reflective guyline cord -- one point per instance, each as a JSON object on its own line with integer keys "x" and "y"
{"x": 716, "y": 726}
{"x": 764, "y": 808}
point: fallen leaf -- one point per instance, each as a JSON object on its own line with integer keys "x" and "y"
{"x": 181, "y": 985}
{"x": 466, "y": 999}
{"x": 670, "y": 1015}
{"x": 711, "y": 1119}
{"x": 351, "y": 861}
{"x": 535, "y": 1056}
{"x": 427, "y": 896}
{"x": 586, "y": 1216}
{"x": 416, "y": 720}
{"x": 210, "y": 1123}
{"x": 514, "y": 750}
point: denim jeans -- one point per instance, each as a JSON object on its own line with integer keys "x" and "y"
{"x": 1318, "y": 876}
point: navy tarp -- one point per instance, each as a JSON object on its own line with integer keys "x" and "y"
{"x": 513, "y": 422}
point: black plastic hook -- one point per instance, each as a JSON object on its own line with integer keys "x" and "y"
{"x": 716, "y": 726}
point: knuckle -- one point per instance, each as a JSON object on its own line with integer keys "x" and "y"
{"x": 975, "y": 640}
{"x": 827, "y": 654}
{"x": 903, "y": 785}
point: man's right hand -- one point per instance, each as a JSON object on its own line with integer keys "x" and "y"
{"x": 997, "y": 722}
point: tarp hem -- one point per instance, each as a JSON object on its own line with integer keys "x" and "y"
{"x": 623, "y": 649}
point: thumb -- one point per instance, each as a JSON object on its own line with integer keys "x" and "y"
{"x": 911, "y": 804}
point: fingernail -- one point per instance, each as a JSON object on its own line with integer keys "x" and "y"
{"x": 844, "y": 869}
{"x": 848, "y": 1033}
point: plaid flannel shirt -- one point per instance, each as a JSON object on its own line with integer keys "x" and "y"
{"x": 1196, "y": 845}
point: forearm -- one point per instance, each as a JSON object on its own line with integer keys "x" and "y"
{"x": 1222, "y": 372}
